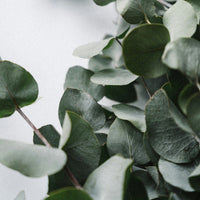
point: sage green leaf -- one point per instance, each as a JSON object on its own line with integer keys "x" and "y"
{"x": 82, "y": 148}
{"x": 123, "y": 94}
{"x": 31, "y": 160}
{"x": 177, "y": 174}
{"x": 69, "y": 194}
{"x": 21, "y": 196}
{"x": 183, "y": 54}
{"x": 184, "y": 97}
{"x": 113, "y": 77}
{"x": 100, "y": 183}
{"x": 91, "y": 49}
{"x": 136, "y": 11}
{"x": 17, "y": 86}
{"x": 102, "y": 138}
{"x": 132, "y": 114}
{"x": 79, "y": 78}
{"x": 100, "y": 62}
{"x": 103, "y": 2}
{"x": 143, "y": 48}
{"x": 125, "y": 139}
{"x": 169, "y": 133}
{"x": 194, "y": 178}
{"x": 196, "y": 5}
{"x": 83, "y": 104}
{"x": 50, "y": 133}
{"x": 181, "y": 20}
{"x": 193, "y": 113}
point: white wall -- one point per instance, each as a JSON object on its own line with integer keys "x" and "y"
{"x": 40, "y": 35}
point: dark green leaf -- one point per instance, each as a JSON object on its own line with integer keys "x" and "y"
{"x": 181, "y": 20}
{"x": 100, "y": 183}
{"x": 31, "y": 160}
{"x": 125, "y": 139}
{"x": 69, "y": 194}
{"x": 103, "y": 2}
{"x": 168, "y": 130}
{"x": 17, "y": 86}
{"x": 143, "y": 48}
{"x": 83, "y": 104}
{"x": 194, "y": 178}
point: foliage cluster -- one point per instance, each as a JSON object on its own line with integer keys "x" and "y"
{"x": 147, "y": 144}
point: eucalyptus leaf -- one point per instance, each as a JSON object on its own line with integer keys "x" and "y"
{"x": 177, "y": 174}
{"x": 103, "y": 2}
{"x": 132, "y": 114}
{"x": 135, "y": 11}
{"x": 100, "y": 183}
{"x": 21, "y": 196}
{"x": 91, "y": 49}
{"x": 196, "y": 6}
{"x": 143, "y": 48}
{"x": 83, "y": 104}
{"x": 125, "y": 139}
{"x": 181, "y": 20}
{"x": 113, "y": 77}
{"x": 183, "y": 54}
{"x": 69, "y": 194}
{"x": 82, "y": 148}
{"x": 169, "y": 133}
{"x": 194, "y": 178}
{"x": 17, "y": 87}
{"x": 79, "y": 78}
{"x": 31, "y": 160}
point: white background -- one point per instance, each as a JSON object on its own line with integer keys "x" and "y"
{"x": 40, "y": 35}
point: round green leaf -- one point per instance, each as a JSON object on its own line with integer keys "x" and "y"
{"x": 69, "y": 194}
{"x": 17, "y": 87}
{"x": 113, "y": 77}
{"x": 100, "y": 183}
{"x": 103, "y": 2}
{"x": 82, "y": 148}
{"x": 91, "y": 49}
{"x": 135, "y": 11}
{"x": 31, "y": 160}
{"x": 132, "y": 114}
{"x": 143, "y": 48}
{"x": 83, "y": 104}
{"x": 181, "y": 20}
{"x": 193, "y": 113}
{"x": 183, "y": 54}
{"x": 79, "y": 78}
{"x": 169, "y": 133}
{"x": 177, "y": 174}
{"x": 125, "y": 139}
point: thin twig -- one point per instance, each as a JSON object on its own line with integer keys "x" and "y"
{"x": 146, "y": 87}
{"x": 118, "y": 41}
{"x": 165, "y": 3}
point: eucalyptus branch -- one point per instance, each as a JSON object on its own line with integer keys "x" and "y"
{"x": 165, "y": 3}
{"x": 146, "y": 87}
{"x": 118, "y": 41}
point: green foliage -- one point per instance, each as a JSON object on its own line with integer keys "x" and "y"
{"x": 147, "y": 144}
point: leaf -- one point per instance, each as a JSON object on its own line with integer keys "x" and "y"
{"x": 91, "y": 49}
{"x": 177, "y": 174}
{"x": 194, "y": 178}
{"x": 21, "y": 196}
{"x": 31, "y": 160}
{"x": 50, "y": 133}
{"x": 69, "y": 194}
{"x": 168, "y": 130}
{"x": 143, "y": 48}
{"x": 196, "y": 6}
{"x": 79, "y": 78}
{"x": 123, "y": 28}
{"x": 113, "y": 77}
{"x": 100, "y": 62}
{"x": 132, "y": 114}
{"x": 100, "y": 183}
{"x": 193, "y": 113}
{"x": 123, "y": 94}
{"x": 17, "y": 87}
{"x": 125, "y": 139}
{"x": 83, "y": 104}
{"x": 103, "y": 2}
{"x": 183, "y": 54}
{"x": 135, "y": 11}
{"x": 181, "y": 20}
{"x": 82, "y": 148}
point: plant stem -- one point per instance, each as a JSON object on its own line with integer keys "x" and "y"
{"x": 118, "y": 41}
{"x": 165, "y": 3}
{"x": 146, "y": 87}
